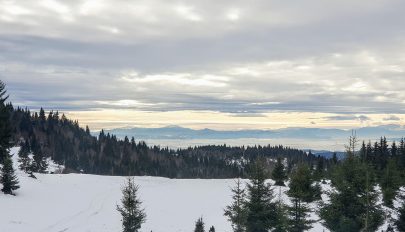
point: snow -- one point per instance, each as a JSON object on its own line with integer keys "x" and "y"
{"x": 87, "y": 203}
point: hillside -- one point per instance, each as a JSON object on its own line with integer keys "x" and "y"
{"x": 80, "y": 202}
{"x": 53, "y": 135}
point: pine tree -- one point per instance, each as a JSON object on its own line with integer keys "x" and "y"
{"x": 320, "y": 168}
{"x": 281, "y": 223}
{"x": 300, "y": 191}
{"x": 199, "y": 225}
{"x": 390, "y": 182}
{"x": 5, "y": 128}
{"x": 363, "y": 152}
{"x": 334, "y": 158}
{"x": 23, "y": 157}
{"x": 353, "y": 205}
{"x": 133, "y": 216}
{"x": 212, "y": 229}
{"x": 400, "y": 222}
{"x": 261, "y": 212}
{"x": 236, "y": 212}
{"x": 278, "y": 174}
{"x": 39, "y": 163}
{"x": 42, "y": 117}
{"x": 394, "y": 150}
{"x": 87, "y": 130}
{"x": 401, "y": 154}
{"x": 8, "y": 177}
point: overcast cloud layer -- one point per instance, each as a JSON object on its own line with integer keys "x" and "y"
{"x": 242, "y": 58}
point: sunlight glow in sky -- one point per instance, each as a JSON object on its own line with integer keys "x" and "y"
{"x": 207, "y": 64}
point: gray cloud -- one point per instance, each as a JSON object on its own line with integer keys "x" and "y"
{"x": 241, "y": 58}
{"x": 348, "y": 118}
{"x": 392, "y": 118}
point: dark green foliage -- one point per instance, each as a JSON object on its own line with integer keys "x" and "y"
{"x": 320, "y": 168}
{"x": 23, "y": 158}
{"x": 390, "y": 182}
{"x": 400, "y": 223}
{"x": 302, "y": 185}
{"x": 380, "y": 154}
{"x": 281, "y": 223}
{"x": 278, "y": 174}
{"x": 199, "y": 225}
{"x": 298, "y": 216}
{"x": 212, "y": 229}
{"x": 87, "y": 130}
{"x": 5, "y": 127}
{"x": 8, "y": 178}
{"x": 301, "y": 191}
{"x": 401, "y": 154}
{"x": 353, "y": 206}
{"x": 261, "y": 212}
{"x": 236, "y": 212}
{"x": 132, "y": 214}
{"x": 334, "y": 158}
{"x": 39, "y": 162}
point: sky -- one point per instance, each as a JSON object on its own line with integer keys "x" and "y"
{"x": 225, "y": 65}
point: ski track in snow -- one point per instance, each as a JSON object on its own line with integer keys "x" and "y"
{"x": 87, "y": 203}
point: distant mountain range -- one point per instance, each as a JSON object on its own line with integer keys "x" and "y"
{"x": 393, "y": 132}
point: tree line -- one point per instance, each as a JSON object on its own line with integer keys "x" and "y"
{"x": 52, "y": 135}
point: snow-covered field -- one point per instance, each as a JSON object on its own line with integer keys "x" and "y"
{"x": 87, "y": 203}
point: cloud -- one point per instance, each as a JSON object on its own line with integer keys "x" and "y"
{"x": 323, "y": 84}
{"x": 361, "y": 118}
{"x": 182, "y": 79}
{"x": 338, "y": 57}
{"x": 392, "y": 118}
{"x": 248, "y": 115}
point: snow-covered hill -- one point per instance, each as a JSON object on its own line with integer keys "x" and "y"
{"x": 87, "y": 203}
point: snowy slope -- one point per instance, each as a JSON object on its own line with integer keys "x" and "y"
{"x": 87, "y": 203}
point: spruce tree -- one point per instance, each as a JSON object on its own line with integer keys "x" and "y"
{"x": 320, "y": 168}
{"x": 278, "y": 174}
{"x": 281, "y": 223}
{"x": 400, "y": 222}
{"x": 42, "y": 118}
{"x": 39, "y": 162}
{"x": 212, "y": 229}
{"x": 401, "y": 154}
{"x": 5, "y": 128}
{"x": 236, "y": 212}
{"x": 8, "y": 177}
{"x": 23, "y": 157}
{"x": 261, "y": 211}
{"x": 353, "y": 204}
{"x": 133, "y": 216}
{"x": 390, "y": 182}
{"x": 334, "y": 158}
{"x": 363, "y": 152}
{"x": 87, "y": 130}
{"x": 394, "y": 150}
{"x": 300, "y": 191}
{"x": 199, "y": 225}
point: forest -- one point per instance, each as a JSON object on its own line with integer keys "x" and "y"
{"x": 53, "y": 135}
